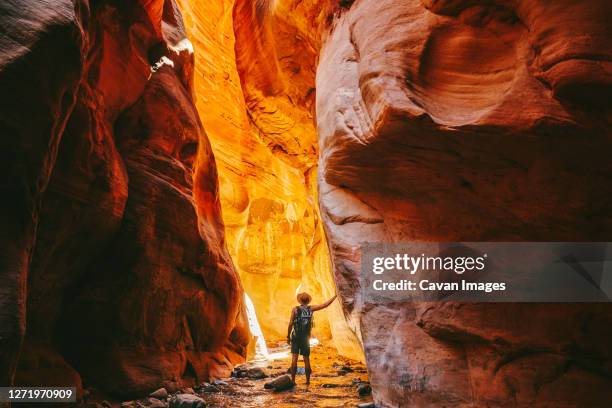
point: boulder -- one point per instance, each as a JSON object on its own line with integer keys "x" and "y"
{"x": 256, "y": 373}
{"x": 161, "y": 393}
{"x": 240, "y": 371}
{"x": 186, "y": 401}
{"x": 281, "y": 383}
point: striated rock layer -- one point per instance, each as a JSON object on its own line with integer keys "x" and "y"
{"x": 255, "y": 69}
{"x": 114, "y": 269}
{"x": 469, "y": 121}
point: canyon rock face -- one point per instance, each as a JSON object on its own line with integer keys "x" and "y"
{"x": 469, "y": 121}
{"x": 114, "y": 266}
{"x": 255, "y": 75}
{"x": 443, "y": 120}
{"x": 39, "y": 99}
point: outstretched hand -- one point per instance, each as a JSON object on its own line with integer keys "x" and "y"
{"x": 324, "y": 305}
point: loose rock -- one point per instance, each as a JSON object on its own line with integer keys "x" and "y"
{"x": 240, "y": 371}
{"x": 161, "y": 393}
{"x": 280, "y": 383}
{"x": 256, "y": 373}
{"x": 155, "y": 403}
{"x": 209, "y": 388}
{"x": 186, "y": 401}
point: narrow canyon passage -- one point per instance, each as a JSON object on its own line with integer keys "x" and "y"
{"x": 254, "y": 83}
{"x": 177, "y": 190}
{"x": 254, "y": 86}
{"x": 174, "y": 172}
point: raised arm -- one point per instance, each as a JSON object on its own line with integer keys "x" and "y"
{"x": 314, "y": 308}
{"x": 290, "y": 325}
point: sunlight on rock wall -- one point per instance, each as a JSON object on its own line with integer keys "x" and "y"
{"x": 254, "y": 86}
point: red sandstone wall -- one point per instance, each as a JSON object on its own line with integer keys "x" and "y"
{"x": 469, "y": 121}
{"x": 114, "y": 266}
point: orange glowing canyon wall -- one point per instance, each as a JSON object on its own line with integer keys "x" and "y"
{"x": 254, "y": 85}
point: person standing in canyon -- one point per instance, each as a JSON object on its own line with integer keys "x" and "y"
{"x": 298, "y": 332}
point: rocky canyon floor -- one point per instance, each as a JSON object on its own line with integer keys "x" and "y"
{"x": 336, "y": 382}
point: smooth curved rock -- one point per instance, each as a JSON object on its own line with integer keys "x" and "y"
{"x": 110, "y": 173}
{"x": 38, "y": 99}
{"x": 467, "y": 121}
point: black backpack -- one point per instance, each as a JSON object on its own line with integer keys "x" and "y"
{"x": 303, "y": 321}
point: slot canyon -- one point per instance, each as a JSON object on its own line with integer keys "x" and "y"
{"x": 170, "y": 166}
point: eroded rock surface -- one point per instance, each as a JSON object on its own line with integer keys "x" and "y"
{"x": 114, "y": 238}
{"x": 255, "y": 65}
{"x": 38, "y": 100}
{"x": 469, "y": 121}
